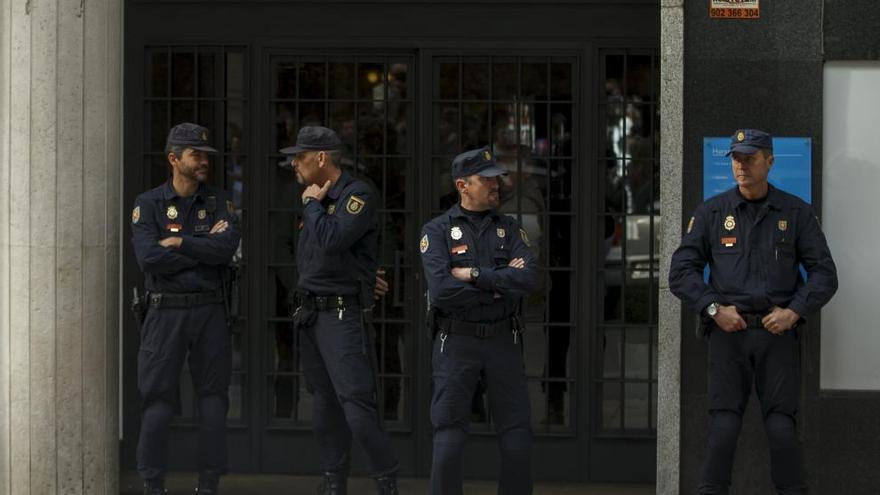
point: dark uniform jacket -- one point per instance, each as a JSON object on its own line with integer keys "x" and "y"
{"x": 338, "y": 240}
{"x": 488, "y": 246}
{"x": 199, "y": 262}
{"x": 754, "y": 267}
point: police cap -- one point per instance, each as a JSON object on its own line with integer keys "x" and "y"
{"x": 476, "y": 162}
{"x": 314, "y": 138}
{"x": 749, "y": 141}
{"x": 190, "y": 135}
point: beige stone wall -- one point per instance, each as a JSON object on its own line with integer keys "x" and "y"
{"x": 60, "y": 166}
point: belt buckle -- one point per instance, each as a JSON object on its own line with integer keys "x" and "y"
{"x": 156, "y": 299}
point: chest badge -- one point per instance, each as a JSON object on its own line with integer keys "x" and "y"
{"x": 729, "y": 223}
{"x": 171, "y": 212}
{"x": 455, "y": 233}
{"x": 136, "y": 214}
{"x": 423, "y": 244}
{"x": 501, "y": 233}
{"x": 331, "y": 209}
{"x": 783, "y": 225}
{"x": 202, "y": 214}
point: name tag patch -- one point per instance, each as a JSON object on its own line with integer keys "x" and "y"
{"x": 728, "y": 241}
{"x": 461, "y": 249}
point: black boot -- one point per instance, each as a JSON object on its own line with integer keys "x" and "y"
{"x": 387, "y": 485}
{"x": 333, "y": 484}
{"x": 154, "y": 487}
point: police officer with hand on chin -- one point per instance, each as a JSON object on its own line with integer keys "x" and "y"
{"x": 184, "y": 234}
{"x": 754, "y": 238}
{"x": 336, "y": 259}
{"x": 478, "y": 266}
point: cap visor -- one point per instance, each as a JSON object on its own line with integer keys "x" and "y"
{"x": 203, "y": 148}
{"x": 745, "y": 149}
{"x": 291, "y": 150}
{"x": 492, "y": 171}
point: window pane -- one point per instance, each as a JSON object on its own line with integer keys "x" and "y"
{"x": 312, "y": 77}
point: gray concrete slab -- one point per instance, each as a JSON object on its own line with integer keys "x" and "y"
{"x": 243, "y": 484}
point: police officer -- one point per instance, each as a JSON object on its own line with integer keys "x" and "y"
{"x": 336, "y": 259}
{"x": 184, "y": 234}
{"x": 478, "y": 266}
{"x": 753, "y": 237}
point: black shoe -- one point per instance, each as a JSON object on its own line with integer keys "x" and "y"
{"x": 387, "y": 485}
{"x": 155, "y": 487}
{"x": 333, "y": 484}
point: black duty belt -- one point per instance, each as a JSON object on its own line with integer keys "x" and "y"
{"x": 753, "y": 320}
{"x": 327, "y": 303}
{"x": 479, "y": 330}
{"x": 184, "y": 299}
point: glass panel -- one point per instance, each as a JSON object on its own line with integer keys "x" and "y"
{"x": 281, "y": 285}
{"x": 611, "y": 347}
{"x": 535, "y": 349}
{"x": 182, "y": 74}
{"x": 475, "y": 79}
{"x": 157, "y": 125}
{"x": 210, "y": 77}
{"x": 398, "y": 126}
{"x": 636, "y": 401}
{"x": 209, "y": 114}
{"x": 157, "y": 75}
{"x": 611, "y": 405}
{"x": 234, "y": 184}
{"x": 311, "y": 114}
{"x": 312, "y": 77}
{"x": 342, "y": 80}
{"x": 159, "y": 168}
{"x": 281, "y": 236}
{"x": 446, "y": 82}
{"x": 638, "y": 297}
{"x": 343, "y": 122}
{"x": 286, "y": 126}
{"x": 560, "y": 241}
{"x": 235, "y": 127}
{"x": 561, "y": 81}
{"x": 561, "y": 125}
{"x": 371, "y": 81}
{"x": 284, "y": 79}
{"x": 446, "y": 127}
{"x": 396, "y": 178}
{"x": 284, "y": 191}
{"x": 561, "y": 178}
{"x": 237, "y": 405}
{"x": 474, "y": 125}
{"x": 535, "y": 81}
{"x": 504, "y": 81}
{"x": 638, "y": 78}
{"x": 610, "y": 283}
{"x": 371, "y": 138}
{"x": 559, "y": 303}
{"x": 559, "y": 351}
{"x": 182, "y": 111}
{"x": 235, "y": 79}
{"x": 398, "y": 81}
{"x": 637, "y": 354}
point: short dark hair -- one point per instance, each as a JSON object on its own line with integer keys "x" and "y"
{"x": 176, "y": 149}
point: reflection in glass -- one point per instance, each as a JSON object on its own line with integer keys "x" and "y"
{"x": 341, "y": 80}
{"x": 611, "y": 405}
{"x": 312, "y": 80}
{"x": 446, "y": 82}
{"x": 284, "y": 79}
{"x": 210, "y": 77}
{"x": 534, "y": 81}
{"x": 636, "y": 405}
{"x": 474, "y": 80}
{"x": 636, "y": 353}
{"x": 504, "y": 81}
{"x": 612, "y": 348}
{"x": 560, "y": 81}
{"x": 182, "y": 76}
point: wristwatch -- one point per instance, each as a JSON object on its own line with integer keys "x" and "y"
{"x": 307, "y": 199}
{"x": 475, "y": 274}
{"x": 712, "y": 309}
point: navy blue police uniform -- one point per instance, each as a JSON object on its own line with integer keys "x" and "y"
{"x": 754, "y": 250}
{"x": 185, "y": 316}
{"x": 476, "y": 332}
{"x": 336, "y": 258}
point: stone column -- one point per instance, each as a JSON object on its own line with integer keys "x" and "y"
{"x": 60, "y": 165}
{"x": 671, "y": 163}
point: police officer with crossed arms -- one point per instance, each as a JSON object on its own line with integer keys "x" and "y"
{"x": 754, "y": 238}
{"x": 184, "y": 234}
{"x": 478, "y": 266}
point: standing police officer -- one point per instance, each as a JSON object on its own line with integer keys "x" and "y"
{"x": 336, "y": 259}
{"x": 478, "y": 266}
{"x": 184, "y": 234}
{"x": 754, "y": 237}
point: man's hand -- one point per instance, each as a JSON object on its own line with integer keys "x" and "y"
{"x": 381, "y": 285}
{"x": 171, "y": 242}
{"x": 729, "y": 320}
{"x": 517, "y": 263}
{"x": 463, "y": 274}
{"x": 780, "y": 320}
{"x": 316, "y": 191}
{"x": 219, "y": 227}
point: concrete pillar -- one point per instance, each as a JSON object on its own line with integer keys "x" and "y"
{"x": 60, "y": 165}
{"x": 671, "y": 163}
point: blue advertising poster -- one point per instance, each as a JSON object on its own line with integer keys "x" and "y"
{"x": 791, "y": 170}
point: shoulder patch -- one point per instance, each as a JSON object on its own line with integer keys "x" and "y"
{"x": 355, "y": 205}
{"x": 690, "y": 225}
{"x": 423, "y": 244}
{"x": 136, "y": 214}
{"x": 525, "y": 237}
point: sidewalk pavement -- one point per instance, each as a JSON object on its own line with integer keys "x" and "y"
{"x": 268, "y": 484}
